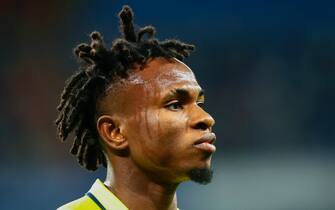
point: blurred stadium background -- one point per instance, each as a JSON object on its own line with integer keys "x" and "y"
{"x": 268, "y": 68}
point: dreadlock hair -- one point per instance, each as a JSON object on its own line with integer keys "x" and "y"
{"x": 99, "y": 68}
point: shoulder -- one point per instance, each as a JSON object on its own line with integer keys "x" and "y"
{"x": 81, "y": 203}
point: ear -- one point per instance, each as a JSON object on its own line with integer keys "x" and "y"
{"x": 110, "y": 132}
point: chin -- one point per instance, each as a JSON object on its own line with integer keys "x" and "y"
{"x": 199, "y": 171}
{"x": 201, "y": 175}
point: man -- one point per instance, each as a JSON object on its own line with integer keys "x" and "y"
{"x": 138, "y": 110}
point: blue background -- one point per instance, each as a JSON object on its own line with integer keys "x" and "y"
{"x": 268, "y": 68}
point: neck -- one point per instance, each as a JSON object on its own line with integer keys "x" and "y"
{"x": 136, "y": 189}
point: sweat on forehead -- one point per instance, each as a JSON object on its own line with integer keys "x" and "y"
{"x": 160, "y": 70}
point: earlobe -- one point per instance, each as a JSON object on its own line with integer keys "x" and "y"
{"x": 110, "y": 132}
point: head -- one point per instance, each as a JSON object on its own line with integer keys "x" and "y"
{"x": 138, "y": 100}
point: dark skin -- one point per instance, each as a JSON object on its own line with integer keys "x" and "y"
{"x": 148, "y": 133}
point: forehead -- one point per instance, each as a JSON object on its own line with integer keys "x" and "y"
{"x": 148, "y": 86}
{"x": 163, "y": 74}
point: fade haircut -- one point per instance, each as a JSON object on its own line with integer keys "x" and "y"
{"x": 100, "y": 67}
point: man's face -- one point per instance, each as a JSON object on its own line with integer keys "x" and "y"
{"x": 163, "y": 120}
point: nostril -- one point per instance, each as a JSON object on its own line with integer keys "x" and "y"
{"x": 201, "y": 126}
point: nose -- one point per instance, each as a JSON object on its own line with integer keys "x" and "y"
{"x": 203, "y": 121}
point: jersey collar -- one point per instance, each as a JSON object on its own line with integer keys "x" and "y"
{"x": 104, "y": 198}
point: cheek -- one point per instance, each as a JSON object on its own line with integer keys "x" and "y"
{"x": 167, "y": 127}
{"x": 158, "y": 136}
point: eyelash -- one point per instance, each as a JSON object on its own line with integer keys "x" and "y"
{"x": 180, "y": 106}
{"x": 201, "y": 104}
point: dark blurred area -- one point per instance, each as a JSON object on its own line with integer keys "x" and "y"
{"x": 268, "y": 68}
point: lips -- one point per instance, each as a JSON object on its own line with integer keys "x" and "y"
{"x": 206, "y": 143}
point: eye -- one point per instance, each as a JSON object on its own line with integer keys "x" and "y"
{"x": 201, "y": 104}
{"x": 174, "y": 105}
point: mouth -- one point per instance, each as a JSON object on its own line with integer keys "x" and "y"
{"x": 206, "y": 143}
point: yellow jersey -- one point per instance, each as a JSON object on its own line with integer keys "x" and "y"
{"x": 99, "y": 197}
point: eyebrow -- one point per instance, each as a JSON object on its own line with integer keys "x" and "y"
{"x": 182, "y": 93}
